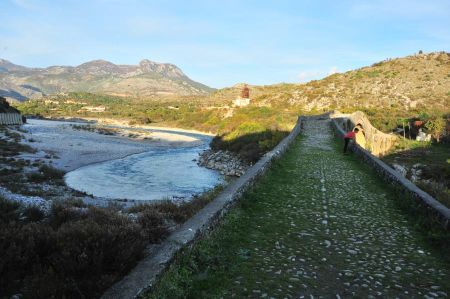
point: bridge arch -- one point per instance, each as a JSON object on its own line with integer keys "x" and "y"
{"x": 360, "y": 136}
{"x": 377, "y": 142}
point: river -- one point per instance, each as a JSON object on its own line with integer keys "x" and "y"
{"x": 119, "y": 168}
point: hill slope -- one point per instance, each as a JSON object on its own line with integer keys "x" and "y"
{"x": 98, "y": 76}
{"x": 410, "y": 83}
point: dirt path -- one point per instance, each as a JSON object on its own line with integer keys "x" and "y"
{"x": 319, "y": 225}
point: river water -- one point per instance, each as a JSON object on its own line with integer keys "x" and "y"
{"x": 160, "y": 173}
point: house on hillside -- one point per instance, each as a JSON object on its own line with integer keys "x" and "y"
{"x": 9, "y": 115}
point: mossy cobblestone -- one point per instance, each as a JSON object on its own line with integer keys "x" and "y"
{"x": 319, "y": 224}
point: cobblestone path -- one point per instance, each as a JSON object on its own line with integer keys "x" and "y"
{"x": 319, "y": 225}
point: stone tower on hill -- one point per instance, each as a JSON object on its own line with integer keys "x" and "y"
{"x": 245, "y": 92}
{"x": 244, "y": 98}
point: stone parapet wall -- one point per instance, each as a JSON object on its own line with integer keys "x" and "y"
{"x": 370, "y": 138}
{"x": 434, "y": 208}
{"x": 10, "y": 119}
{"x": 145, "y": 274}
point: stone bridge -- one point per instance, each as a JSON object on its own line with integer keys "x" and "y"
{"x": 318, "y": 224}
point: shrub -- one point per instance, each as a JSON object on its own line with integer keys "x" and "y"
{"x": 36, "y": 177}
{"x": 46, "y": 173}
{"x": 436, "y": 127}
{"x": 9, "y": 211}
{"x": 153, "y": 224}
{"x": 22, "y": 248}
{"x": 51, "y": 172}
{"x": 33, "y": 214}
{"x": 77, "y": 253}
{"x": 94, "y": 254}
{"x": 61, "y": 213}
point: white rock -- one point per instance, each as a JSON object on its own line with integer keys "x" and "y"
{"x": 400, "y": 169}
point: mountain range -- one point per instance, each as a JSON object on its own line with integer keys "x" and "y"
{"x": 98, "y": 76}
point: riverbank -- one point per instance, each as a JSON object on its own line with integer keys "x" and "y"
{"x": 131, "y": 139}
{"x": 68, "y": 148}
{"x": 126, "y": 123}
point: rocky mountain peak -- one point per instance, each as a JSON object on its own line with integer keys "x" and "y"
{"x": 98, "y": 66}
{"x": 165, "y": 69}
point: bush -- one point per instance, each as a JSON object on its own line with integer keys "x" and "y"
{"x": 153, "y": 224}
{"x": 51, "y": 172}
{"x": 46, "y": 173}
{"x": 436, "y": 127}
{"x": 95, "y": 254}
{"x": 23, "y": 248}
{"x": 76, "y": 253}
{"x": 61, "y": 213}
{"x": 9, "y": 211}
{"x": 33, "y": 214}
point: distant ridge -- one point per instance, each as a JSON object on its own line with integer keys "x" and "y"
{"x": 98, "y": 76}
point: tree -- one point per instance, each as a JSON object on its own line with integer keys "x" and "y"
{"x": 436, "y": 127}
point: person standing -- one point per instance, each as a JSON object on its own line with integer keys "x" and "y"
{"x": 349, "y": 136}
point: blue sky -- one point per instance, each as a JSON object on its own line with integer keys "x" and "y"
{"x": 221, "y": 43}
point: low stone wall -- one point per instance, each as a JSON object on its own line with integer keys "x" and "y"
{"x": 434, "y": 208}
{"x": 10, "y": 119}
{"x": 145, "y": 274}
{"x": 370, "y": 138}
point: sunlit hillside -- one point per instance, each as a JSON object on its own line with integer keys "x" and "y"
{"x": 414, "y": 82}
